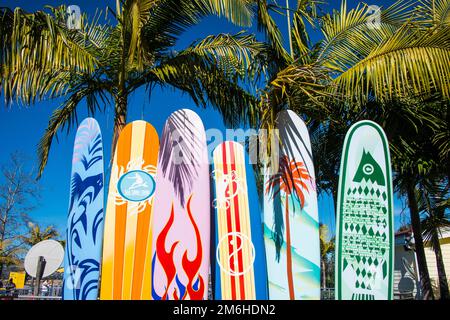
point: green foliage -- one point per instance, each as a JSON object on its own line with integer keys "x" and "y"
{"x": 37, "y": 233}
{"x": 104, "y": 62}
{"x": 327, "y": 254}
{"x": 10, "y": 253}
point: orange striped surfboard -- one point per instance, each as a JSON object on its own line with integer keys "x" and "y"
{"x": 126, "y": 267}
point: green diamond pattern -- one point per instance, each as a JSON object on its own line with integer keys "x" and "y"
{"x": 364, "y": 229}
{"x": 345, "y": 263}
{"x": 366, "y": 191}
{"x": 384, "y": 269}
{"x": 365, "y": 211}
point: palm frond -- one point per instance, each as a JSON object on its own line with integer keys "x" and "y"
{"x": 432, "y": 199}
{"x": 234, "y": 54}
{"x": 41, "y": 44}
{"x": 238, "y": 12}
{"x": 349, "y": 36}
{"x": 11, "y": 252}
{"x": 168, "y": 19}
{"x": 306, "y": 13}
{"x": 408, "y": 62}
{"x": 442, "y": 140}
{"x": 267, "y": 25}
{"x": 66, "y": 116}
{"x": 434, "y": 13}
{"x": 134, "y": 16}
{"x": 207, "y": 84}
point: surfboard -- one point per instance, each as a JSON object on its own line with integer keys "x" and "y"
{"x": 365, "y": 225}
{"x": 291, "y": 219}
{"x": 181, "y": 234}
{"x": 126, "y": 267}
{"x": 84, "y": 234}
{"x": 240, "y": 266}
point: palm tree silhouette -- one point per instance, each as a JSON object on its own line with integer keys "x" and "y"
{"x": 292, "y": 179}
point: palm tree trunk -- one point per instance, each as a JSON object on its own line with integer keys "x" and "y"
{"x": 324, "y": 273}
{"x": 334, "y": 192}
{"x": 443, "y": 284}
{"x": 420, "y": 251}
{"x": 448, "y": 162}
{"x": 120, "y": 120}
{"x": 288, "y": 252}
{"x": 121, "y": 98}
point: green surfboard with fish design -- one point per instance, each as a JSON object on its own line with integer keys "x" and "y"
{"x": 365, "y": 225}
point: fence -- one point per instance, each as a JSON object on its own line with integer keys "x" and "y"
{"x": 327, "y": 294}
{"x": 54, "y": 293}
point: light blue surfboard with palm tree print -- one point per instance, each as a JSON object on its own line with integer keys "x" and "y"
{"x": 85, "y": 220}
{"x": 291, "y": 219}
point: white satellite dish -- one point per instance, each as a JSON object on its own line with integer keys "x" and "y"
{"x": 53, "y": 254}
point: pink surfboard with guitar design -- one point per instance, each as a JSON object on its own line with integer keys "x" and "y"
{"x": 181, "y": 221}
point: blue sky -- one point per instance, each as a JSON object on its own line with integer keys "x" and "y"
{"x": 23, "y": 127}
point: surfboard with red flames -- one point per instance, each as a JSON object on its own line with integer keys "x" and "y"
{"x": 181, "y": 221}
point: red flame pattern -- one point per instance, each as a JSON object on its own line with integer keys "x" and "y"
{"x": 166, "y": 257}
{"x": 190, "y": 267}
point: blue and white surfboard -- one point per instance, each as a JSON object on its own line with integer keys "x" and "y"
{"x": 85, "y": 220}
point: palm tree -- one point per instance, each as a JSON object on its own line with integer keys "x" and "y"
{"x": 364, "y": 70}
{"x": 37, "y": 233}
{"x": 327, "y": 247}
{"x": 410, "y": 125}
{"x": 433, "y": 199}
{"x": 357, "y": 63}
{"x": 293, "y": 181}
{"x": 415, "y": 159}
{"x": 10, "y": 254}
{"x": 42, "y": 57}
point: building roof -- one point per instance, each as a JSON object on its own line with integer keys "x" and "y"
{"x": 403, "y": 232}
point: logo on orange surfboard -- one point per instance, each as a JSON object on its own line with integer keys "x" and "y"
{"x": 136, "y": 186}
